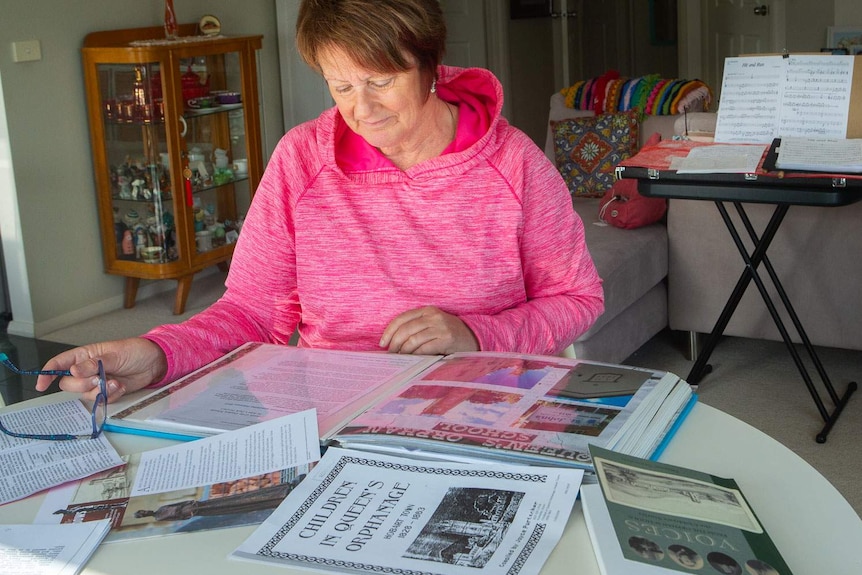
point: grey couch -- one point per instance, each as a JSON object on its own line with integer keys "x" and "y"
{"x": 814, "y": 254}
{"x": 633, "y": 265}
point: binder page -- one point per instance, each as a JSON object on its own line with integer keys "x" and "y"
{"x": 750, "y": 90}
{"x": 816, "y": 97}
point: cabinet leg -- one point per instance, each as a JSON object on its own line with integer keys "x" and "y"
{"x": 131, "y": 292}
{"x": 184, "y": 286}
{"x": 223, "y": 266}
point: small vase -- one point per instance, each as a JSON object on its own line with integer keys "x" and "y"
{"x": 171, "y": 26}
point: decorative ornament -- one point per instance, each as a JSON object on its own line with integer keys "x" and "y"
{"x": 209, "y": 25}
{"x": 172, "y": 29}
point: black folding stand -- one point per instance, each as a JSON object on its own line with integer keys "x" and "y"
{"x": 736, "y": 189}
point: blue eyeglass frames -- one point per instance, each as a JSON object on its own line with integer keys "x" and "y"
{"x": 100, "y": 406}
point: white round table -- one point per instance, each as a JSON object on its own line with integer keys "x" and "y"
{"x": 813, "y": 526}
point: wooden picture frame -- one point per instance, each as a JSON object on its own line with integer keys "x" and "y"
{"x": 529, "y": 8}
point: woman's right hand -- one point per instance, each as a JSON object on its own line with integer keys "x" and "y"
{"x": 130, "y": 364}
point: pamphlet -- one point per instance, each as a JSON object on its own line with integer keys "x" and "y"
{"x": 366, "y": 513}
{"x": 649, "y": 518}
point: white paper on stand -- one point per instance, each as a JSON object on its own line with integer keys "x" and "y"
{"x": 368, "y": 513}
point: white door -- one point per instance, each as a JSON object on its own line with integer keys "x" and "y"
{"x": 465, "y": 27}
{"x": 734, "y": 27}
{"x": 304, "y": 93}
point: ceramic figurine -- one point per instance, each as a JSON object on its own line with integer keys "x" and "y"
{"x": 137, "y": 188}
{"x": 128, "y": 244}
{"x": 131, "y": 218}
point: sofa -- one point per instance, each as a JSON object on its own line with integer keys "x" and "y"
{"x": 632, "y": 263}
{"x": 812, "y": 253}
{"x": 678, "y": 273}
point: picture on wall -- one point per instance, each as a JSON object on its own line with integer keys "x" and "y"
{"x": 847, "y": 37}
{"x": 529, "y": 8}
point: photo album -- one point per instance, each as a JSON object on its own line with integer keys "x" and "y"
{"x": 499, "y": 406}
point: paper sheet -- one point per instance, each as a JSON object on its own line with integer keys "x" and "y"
{"x": 838, "y": 155}
{"x": 269, "y": 446}
{"x": 28, "y": 466}
{"x": 721, "y": 159}
{"x": 49, "y": 549}
{"x": 767, "y": 97}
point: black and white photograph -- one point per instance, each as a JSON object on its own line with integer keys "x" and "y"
{"x": 663, "y": 493}
{"x": 467, "y": 527}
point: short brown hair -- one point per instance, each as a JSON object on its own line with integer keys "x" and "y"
{"x": 378, "y": 34}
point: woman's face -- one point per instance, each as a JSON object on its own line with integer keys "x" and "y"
{"x": 386, "y": 109}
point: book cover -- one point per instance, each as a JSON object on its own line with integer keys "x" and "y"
{"x": 649, "y": 518}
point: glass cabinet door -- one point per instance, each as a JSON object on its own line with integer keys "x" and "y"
{"x": 215, "y": 176}
{"x": 138, "y": 163}
{"x": 175, "y": 135}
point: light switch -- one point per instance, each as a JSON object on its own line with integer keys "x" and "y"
{"x": 26, "y": 51}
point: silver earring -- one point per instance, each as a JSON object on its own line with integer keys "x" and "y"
{"x": 433, "y": 86}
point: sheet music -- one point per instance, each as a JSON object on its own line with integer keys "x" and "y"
{"x": 722, "y": 159}
{"x": 750, "y": 92}
{"x": 767, "y": 97}
{"x": 816, "y": 100}
{"x": 818, "y": 155}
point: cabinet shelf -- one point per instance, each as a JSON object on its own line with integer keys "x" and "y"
{"x": 219, "y": 109}
{"x": 165, "y": 211}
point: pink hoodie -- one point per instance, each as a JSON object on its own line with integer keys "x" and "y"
{"x": 338, "y": 241}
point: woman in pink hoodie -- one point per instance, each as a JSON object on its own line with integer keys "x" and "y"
{"x": 410, "y": 218}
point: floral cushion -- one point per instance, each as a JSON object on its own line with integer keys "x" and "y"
{"x": 588, "y": 149}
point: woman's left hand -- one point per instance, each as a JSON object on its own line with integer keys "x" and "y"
{"x": 429, "y": 331}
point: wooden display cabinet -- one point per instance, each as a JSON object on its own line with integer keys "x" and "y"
{"x": 171, "y": 122}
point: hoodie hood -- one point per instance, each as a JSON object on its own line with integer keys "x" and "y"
{"x": 479, "y": 97}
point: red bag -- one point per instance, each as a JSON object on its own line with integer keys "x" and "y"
{"x": 622, "y": 206}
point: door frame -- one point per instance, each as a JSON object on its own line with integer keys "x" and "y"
{"x": 14, "y": 263}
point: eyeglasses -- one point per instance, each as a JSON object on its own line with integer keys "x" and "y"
{"x": 100, "y": 406}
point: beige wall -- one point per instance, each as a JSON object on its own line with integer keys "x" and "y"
{"x": 58, "y": 235}
{"x": 57, "y": 238}
{"x": 848, "y": 12}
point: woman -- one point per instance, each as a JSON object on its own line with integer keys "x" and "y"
{"x": 409, "y": 218}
